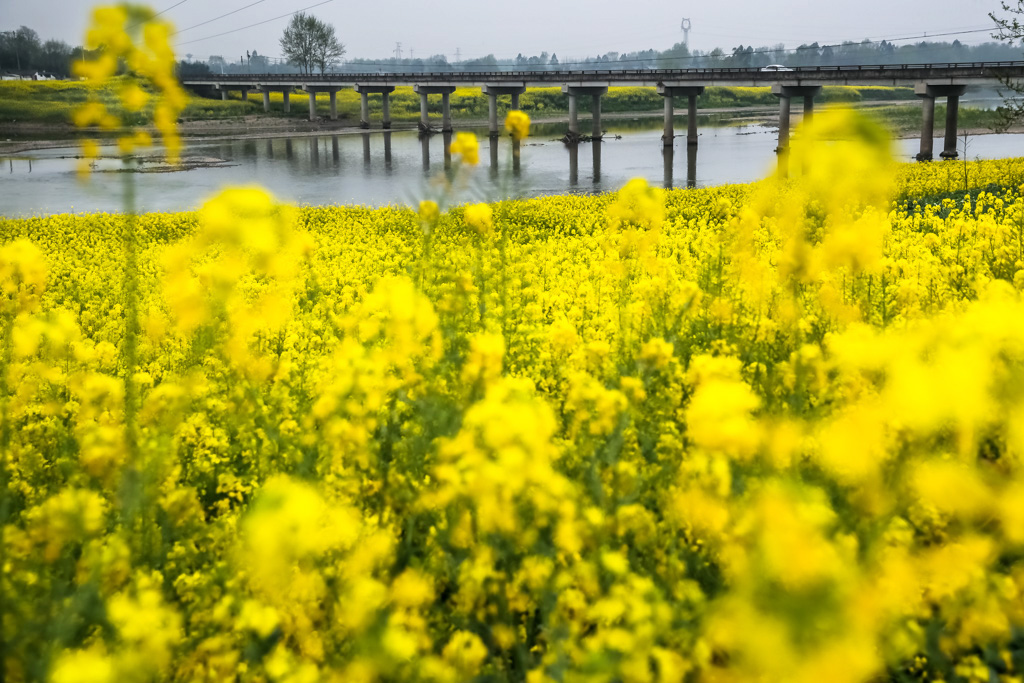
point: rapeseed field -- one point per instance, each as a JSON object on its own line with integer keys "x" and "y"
{"x": 769, "y": 432}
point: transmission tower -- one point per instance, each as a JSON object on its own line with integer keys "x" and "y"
{"x": 398, "y": 50}
{"x": 686, "y": 32}
{"x": 458, "y": 55}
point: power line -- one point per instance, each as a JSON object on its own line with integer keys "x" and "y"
{"x": 140, "y": 23}
{"x": 169, "y": 8}
{"x": 849, "y": 43}
{"x": 210, "y": 21}
{"x": 258, "y": 23}
{"x": 754, "y": 52}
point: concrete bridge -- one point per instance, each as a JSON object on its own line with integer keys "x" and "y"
{"x": 930, "y": 81}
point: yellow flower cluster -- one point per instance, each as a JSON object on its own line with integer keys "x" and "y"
{"x": 771, "y": 432}
{"x": 128, "y": 39}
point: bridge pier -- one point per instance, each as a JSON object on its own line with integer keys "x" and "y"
{"x": 313, "y": 90}
{"x": 595, "y": 91}
{"x": 691, "y": 93}
{"x": 493, "y": 91}
{"x": 286, "y": 95}
{"x": 367, "y": 89}
{"x": 445, "y": 92}
{"x": 785, "y": 93}
{"x": 266, "y": 99}
{"x": 928, "y": 92}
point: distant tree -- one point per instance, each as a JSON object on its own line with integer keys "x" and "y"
{"x": 19, "y": 49}
{"x": 55, "y": 57}
{"x": 310, "y": 43}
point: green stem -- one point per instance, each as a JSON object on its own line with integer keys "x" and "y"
{"x": 5, "y": 440}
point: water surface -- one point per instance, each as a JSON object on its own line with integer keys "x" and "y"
{"x": 379, "y": 168}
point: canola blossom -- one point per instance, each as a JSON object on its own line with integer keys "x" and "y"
{"x": 131, "y": 40}
{"x": 766, "y": 432}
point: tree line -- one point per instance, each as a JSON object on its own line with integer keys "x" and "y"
{"x": 310, "y": 45}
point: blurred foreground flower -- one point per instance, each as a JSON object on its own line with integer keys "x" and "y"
{"x": 517, "y": 123}
{"x": 129, "y": 41}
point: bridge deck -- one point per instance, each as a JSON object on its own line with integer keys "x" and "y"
{"x": 885, "y": 74}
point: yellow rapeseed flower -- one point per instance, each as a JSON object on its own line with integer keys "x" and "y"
{"x": 517, "y": 123}
{"x": 479, "y": 217}
{"x": 466, "y": 145}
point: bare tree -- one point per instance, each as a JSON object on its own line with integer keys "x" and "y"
{"x": 1010, "y": 29}
{"x": 326, "y": 48}
{"x": 308, "y": 42}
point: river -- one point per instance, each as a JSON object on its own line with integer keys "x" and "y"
{"x": 378, "y": 168}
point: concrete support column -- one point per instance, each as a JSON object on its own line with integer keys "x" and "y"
{"x": 287, "y": 101}
{"x": 952, "y": 111}
{"x": 493, "y": 90}
{"x": 670, "y": 128}
{"x": 691, "y": 93}
{"x": 334, "y": 105}
{"x": 927, "y": 129}
{"x": 446, "y": 113}
{"x": 223, "y": 94}
{"x": 786, "y": 93}
{"x": 783, "y": 125}
{"x": 928, "y": 92}
{"x": 364, "y": 110}
{"x": 595, "y": 91}
{"x": 784, "y": 102}
{"x": 266, "y": 99}
{"x": 312, "y": 105}
{"x": 367, "y": 89}
{"x": 492, "y": 114}
{"x": 424, "y": 112}
{"x": 808, "y": 108}
{"x": 691, "y": 119}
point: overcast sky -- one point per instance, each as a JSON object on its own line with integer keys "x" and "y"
{"x": 569, "y": 28}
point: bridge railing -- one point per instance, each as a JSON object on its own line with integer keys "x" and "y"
{"x": 613, "y": 74}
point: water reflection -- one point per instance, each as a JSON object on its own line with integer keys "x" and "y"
{"x": 493, "y": 144}
{"x": 312, "y": 170}
{"x": 668, "y": 155}
{"x": 447, "y": 150}
{"x": 691, "y": 165}
{"x": 574, "y": 164}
